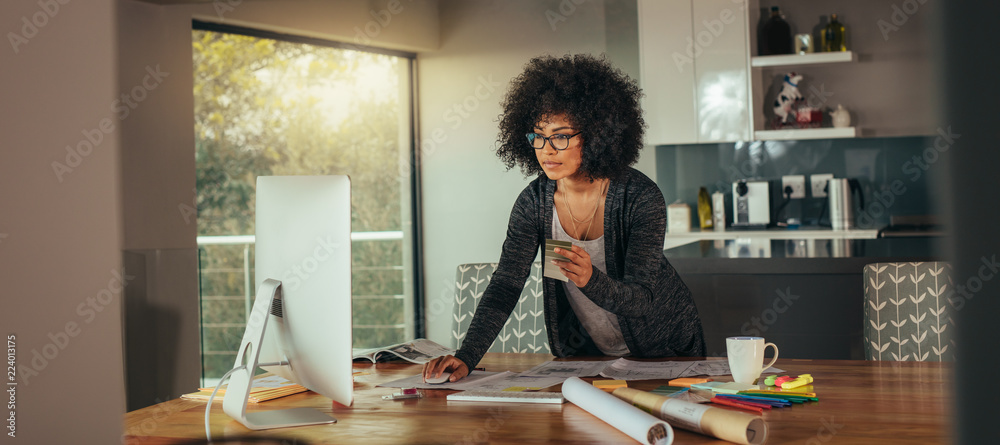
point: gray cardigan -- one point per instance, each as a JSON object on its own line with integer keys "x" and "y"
{"x": 655, "y": 309}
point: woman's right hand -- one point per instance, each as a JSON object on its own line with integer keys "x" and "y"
{"x": 446, "y": 363}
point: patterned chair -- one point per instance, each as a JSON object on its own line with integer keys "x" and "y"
{"x": 907, "y": 313}
{"x": 524, "y": 330}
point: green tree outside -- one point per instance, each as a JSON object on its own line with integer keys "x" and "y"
{"x": 270, "y": 107}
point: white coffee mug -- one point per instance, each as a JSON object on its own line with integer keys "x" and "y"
{"x": 746, "y": 355}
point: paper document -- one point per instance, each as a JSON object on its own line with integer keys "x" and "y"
{"x": 418, "y": 351}
{"x": 518, "y": 382}
{"x": 624, "y": 369}
{"x": 721, "y": 367}
{"x": 476, "y": 380}
{"x": 551, "y": 270}
{"x": 566, "y": 370}
{"x": 710, "y": 367}
{"x": 272, "y": 381}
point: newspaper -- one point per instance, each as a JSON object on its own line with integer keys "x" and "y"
{"x": 567, "y": 369}
{"x": 624, "y": 369}
{"x": 418, "y": 351}
{"x": 481, "y": 381}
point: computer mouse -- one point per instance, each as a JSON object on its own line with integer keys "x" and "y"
{"x": 437, "y": 381}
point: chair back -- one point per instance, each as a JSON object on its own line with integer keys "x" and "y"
{"x": 907, "y": 312}
{"x": 524, "y": 330}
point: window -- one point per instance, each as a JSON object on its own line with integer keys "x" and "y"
{"x": 269, "y": 104}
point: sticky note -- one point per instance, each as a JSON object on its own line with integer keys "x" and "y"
{"x": 733, "y": 387}
{"x": 686, "y": 382}
{"x": 610, "y": 385}
{"x": 707, "y": 386}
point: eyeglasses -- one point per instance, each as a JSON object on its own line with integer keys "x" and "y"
{"x": 557, "y": 141}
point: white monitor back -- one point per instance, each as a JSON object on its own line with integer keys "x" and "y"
{"x": 303, "y": 239}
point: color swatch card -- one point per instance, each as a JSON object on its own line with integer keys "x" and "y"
{"x": 551, "y": 270}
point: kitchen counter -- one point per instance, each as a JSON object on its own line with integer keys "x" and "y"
{"x": 798, "y": 256}
{"x": 674, "y": 239}
{"x": 806, "y": 296}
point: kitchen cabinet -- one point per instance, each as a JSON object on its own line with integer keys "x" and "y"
{"x": 704, "y": 82}
{"x": 693, "y": 62}
{"x": 668, "y": 104}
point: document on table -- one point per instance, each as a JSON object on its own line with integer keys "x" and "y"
{"x": 518, "y": 382}
{"x": 565, "y": 370}
{"x": 720, "y": 367}
{"x": 624, "y": 369}
{"x": 476, "y": 380}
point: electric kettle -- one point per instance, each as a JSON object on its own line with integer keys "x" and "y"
{"x": 840, "y": 192}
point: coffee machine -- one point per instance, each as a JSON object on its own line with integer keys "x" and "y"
{"x": 751, "y": 204}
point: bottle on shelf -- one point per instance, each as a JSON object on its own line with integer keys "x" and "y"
{"x": 834, "y": 35}
{"x": 775, "y": 35}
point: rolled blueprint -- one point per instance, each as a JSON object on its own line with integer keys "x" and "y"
{"x": 626, "y": 418}
{"x": 741, "y": 428}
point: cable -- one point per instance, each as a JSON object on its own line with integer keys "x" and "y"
{"x": 788, "y": 198}
{"x": 208, "y": 408}
{"x": 822, "y": 213}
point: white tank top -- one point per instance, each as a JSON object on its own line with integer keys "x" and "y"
{"x": 602, "y": 325}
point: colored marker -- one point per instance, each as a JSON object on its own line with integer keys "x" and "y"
{"x": 803, "y": 379}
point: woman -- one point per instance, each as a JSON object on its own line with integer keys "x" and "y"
{"x": 577, "y": 120}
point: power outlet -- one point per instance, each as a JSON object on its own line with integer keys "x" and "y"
{"x": 819, "y": 184}
{"x": 797, "y": 183}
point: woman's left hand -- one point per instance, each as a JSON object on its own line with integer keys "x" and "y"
{"x": 578, "y": 269}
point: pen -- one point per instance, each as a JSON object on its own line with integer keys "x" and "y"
{"x": 760, "y": 400}
{"x": 479, "y": 369}
{"x": 789, "y": 397}
{"x": 722, "y": 401}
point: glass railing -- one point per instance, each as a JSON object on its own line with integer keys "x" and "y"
{"x": 226, "y": 291}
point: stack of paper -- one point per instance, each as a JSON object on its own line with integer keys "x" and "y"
{"x": 266, "y": 387}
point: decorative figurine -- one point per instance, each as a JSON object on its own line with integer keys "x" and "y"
{"x": 786, "y": 99}
{"x": 841, "y": 118}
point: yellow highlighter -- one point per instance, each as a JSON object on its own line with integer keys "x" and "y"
{"x": 803, "y": 379}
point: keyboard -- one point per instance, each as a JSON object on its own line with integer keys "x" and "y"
{"x": 507, "y": 396}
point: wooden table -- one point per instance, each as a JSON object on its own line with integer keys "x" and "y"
{"x": 860, "y": 402}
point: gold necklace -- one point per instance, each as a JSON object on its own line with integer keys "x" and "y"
{"x": 592, "y": 217}
{"x": 586, "y": 236}
{"x": 570, "y": 209}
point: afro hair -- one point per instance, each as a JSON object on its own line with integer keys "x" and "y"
{"x": 596, "y": 98}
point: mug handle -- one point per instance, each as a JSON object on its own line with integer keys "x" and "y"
{"x": 775, "y": 355}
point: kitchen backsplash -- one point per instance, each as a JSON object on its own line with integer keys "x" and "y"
{"x": 897, "y": 175}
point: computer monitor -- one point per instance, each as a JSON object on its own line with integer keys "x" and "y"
{"x": 303, "y": 240}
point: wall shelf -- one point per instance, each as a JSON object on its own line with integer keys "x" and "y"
{"x": 802, "y": 59}
{"x": 806, "y": 133}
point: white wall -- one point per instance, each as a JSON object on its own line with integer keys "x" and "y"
{"x": 467, "y": 193}
{"x": 409, "y": 25}
{"x": 62, "y": 241}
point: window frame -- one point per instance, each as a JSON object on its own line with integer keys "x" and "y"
{"x": 419, "y": 328}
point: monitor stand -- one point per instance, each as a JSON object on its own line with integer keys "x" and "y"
{"x": 241, "y": 380}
